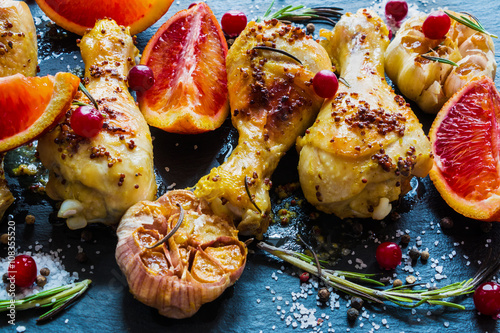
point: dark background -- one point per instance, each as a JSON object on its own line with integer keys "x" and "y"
{"x": 109, "y": 307}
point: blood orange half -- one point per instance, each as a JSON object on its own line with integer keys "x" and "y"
{"x": 79, "y": 15}
{"x": 465, "y": 141}
{"x": 188, "y": 59}
{"x": 30, "y": 105}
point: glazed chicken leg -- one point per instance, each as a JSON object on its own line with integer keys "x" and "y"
{"x": 272, "y": 102}
{"x": 366, "y": 143}
{"x": 101, "y": 177}
{"x": 18, "y": 54}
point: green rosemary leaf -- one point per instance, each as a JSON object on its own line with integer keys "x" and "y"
{"x": 441, "y": 60}
{"x": 449, "y": 304}
{"x": 247, "y": 189}
{"x": 272, "y": 49}
{"x": 469, "y": 23}
{"x": 75, "y": 102}
{"x": 89, "y": 96}
{"x": 172, "y": 232}
{"x": 341, "y": 79}
{"x": 301, "y": 13}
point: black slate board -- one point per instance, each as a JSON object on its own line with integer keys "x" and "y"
{"x": 252, "y": 304}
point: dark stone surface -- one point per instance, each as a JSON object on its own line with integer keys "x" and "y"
{"x": 109, "y": 307}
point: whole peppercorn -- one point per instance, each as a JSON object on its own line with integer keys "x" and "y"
{"x": 86, "y": 235}
{"x": 45, "y": 271}
{"x": 30, "y": 219}
{"x": 41, "y": 280}
{"x": 352, "y": 314}
{"x": 414, "y": 253}
{"x": 405, "y": 239}
{"x": 486, "y": 227}
{"x": 304, "y": 277}
{"x": 397, "y": 283}
{"x": 5, "y": 278}
{"x": 424, "y": 255}
{"x": 446, "y": 223}
{"x": 310, "y": 28}
{"x": 324, "y": 295}
{"x": 4, "y": 239}
{"x": 357, "y": 228}
{"x": 82, "y": 257}
{"x": 357, "y": 302}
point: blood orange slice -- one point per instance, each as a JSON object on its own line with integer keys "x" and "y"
{"x": 188, "y": 59}
{"x": 79, "y": 15}
{"x": 30, "y": 105}
{"x": 465, "y": 141}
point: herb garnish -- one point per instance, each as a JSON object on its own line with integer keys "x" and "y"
{"x": 469, "y": 23}
{"x": 272, "y": 49}
{"x": 405, "y": 296}
{"x": 247, "y": 189}
{"x": 172, "y": 232}
{"x": 437, "y": 59}
{"x": 58, "y": 298}
{"x": 89, "y": 96}
{"x": 300, "y": 13}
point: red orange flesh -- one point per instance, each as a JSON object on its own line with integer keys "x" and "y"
{"x": 465, "y": 143}
{"x": 187, "y": 56}
{"x": 79, "y": 15}
{"x": 30, "y": 105}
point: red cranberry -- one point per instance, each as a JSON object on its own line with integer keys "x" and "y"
{"x": 23, "y": 270}
{"x": 487, "y": 299}
{"x": 388, "y": 255}
{"x": 396, "y": 9}
{"x": 325, "y": 84}
{"x": 233, "y": 22}
{"x": 304, "y": 277}
{"x": 436, "y": 25}
{"x": 140, "y": 78}
{"x": 86, "y": 121}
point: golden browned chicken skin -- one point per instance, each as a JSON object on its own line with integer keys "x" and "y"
{"x": 18, "y": 46}
{"x": 18, "y": 54}
{"x": 272, "y": 102}
{"x": 101, "y": 177}
{"x": 366, "y": 143}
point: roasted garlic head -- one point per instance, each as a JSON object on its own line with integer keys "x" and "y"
{"x": 194, "y": 266}
{"x": 430, "y": 83}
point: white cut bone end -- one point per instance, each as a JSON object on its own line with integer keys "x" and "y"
{"x": 76, "y": 222}
{"x": 382, "y": 210}
{"x": 69, "y": 208}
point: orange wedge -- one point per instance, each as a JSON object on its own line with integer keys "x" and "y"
{"x": 79, "y": 15}
{"x": 188, "y": 59}
{"x": 465, "y": 139}
{"x": 30, "y": 105}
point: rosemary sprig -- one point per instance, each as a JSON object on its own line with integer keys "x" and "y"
{"x": 89, "y": 96}
{"x": 441, "y": 60}
{"x": 272, "y": 49}
{"x": 403, "y": 296}
{"x": 247, "y": 189}
{"x": 301, "y": 13}
{"x": 58, "y": 298}
{"x": 75, "y": 102}
{"x": 172, "y": 232}
{"x": 471, "y": 24}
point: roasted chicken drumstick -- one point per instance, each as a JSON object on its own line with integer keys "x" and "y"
{"x": 272, "y": 103}
{"x": 18, "y": 54}
{"x": 366, "y": 143}
{"x": 101, "y": 177}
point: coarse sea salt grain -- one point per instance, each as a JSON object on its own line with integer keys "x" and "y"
{"x": 58, "y": 274}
